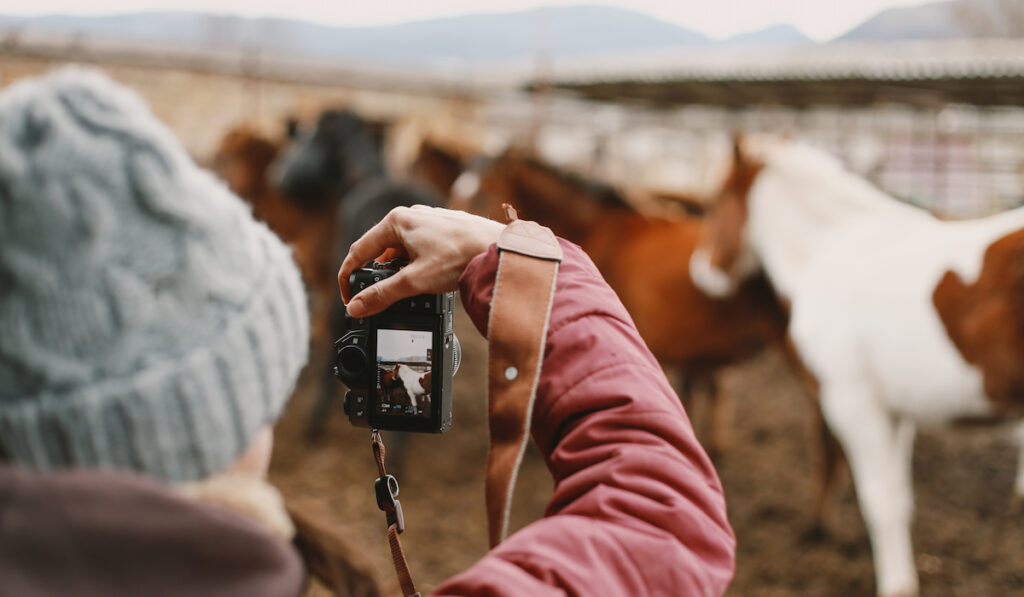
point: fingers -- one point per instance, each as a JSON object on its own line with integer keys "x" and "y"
{"x": 383, "y": 235}
{"x": 383, "y": 294}
{"x": 438, "y": 242}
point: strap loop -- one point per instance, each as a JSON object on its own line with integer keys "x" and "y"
{"x": 386, "y": 489}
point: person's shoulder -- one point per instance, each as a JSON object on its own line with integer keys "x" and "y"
{"x": 108, "y": 523}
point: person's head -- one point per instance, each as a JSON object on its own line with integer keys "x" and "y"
{"x": 147, "y": 322}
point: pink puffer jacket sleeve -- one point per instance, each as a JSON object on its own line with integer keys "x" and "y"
{"x": 637, "y": 507}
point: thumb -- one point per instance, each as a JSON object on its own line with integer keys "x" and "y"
{"x": 383, "y": 294}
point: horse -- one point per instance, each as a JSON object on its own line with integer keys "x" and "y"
{"x": 436, "y": 166}
{"x": 243, "y": 159}
{"x": 340, "y": 163}
{"x": 406, "y": 387}
{"x": 900, "y": 318}
{"x": 645, "y": 258}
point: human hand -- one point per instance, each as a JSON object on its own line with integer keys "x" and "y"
{"x": 439, "y": 243}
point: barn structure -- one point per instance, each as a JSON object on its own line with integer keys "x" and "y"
{"x": 940, "y": 124}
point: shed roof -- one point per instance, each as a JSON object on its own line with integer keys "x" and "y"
{"x": 979, "y": 72}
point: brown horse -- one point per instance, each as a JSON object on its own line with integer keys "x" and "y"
{"x": 437, "y": 166}
{"x": 243, "y": 158}
{"x": 645, "y": 258}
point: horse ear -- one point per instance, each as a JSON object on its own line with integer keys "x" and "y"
{"x": 737, "y": 147}
{"x": 291, "y": 127}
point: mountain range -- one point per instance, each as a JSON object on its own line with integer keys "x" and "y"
{"x": 556, "y": 33}
{"x": 950, "y": 19}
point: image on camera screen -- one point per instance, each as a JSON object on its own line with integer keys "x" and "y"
{"x": 403, "y": 372}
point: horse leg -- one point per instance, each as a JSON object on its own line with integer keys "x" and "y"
{"x": 680, "y": 381}
{"x": 877, "y": 448}
{"x": 719, "y": 416}
{"x": 831, "y": 461}
{"x": 325, "y": 400}
{"x": 830, "y": 464}
{"x": 329, "y": 388}
{"x": 1018, "y": 486}
{"x": 716, "y": 420}
{"x": 398, "y": 447}
{"x": 687, "y": 383}
{"x": 906, "y": 431}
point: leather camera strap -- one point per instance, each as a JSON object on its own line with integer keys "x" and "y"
{"x": 528, "y": 259}
{"x": 529, "y": 256}
{"x": 386, "y": 488}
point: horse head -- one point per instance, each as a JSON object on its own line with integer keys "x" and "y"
{"x": 566, "y": 202}
{"x": 342, "y": 151}
{"x": 437, "y": 165}
{"x": 393, "y": 387}
{"x": 724, "y": 258}
{"x": 242, "y": 159}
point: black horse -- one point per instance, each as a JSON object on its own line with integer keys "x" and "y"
{"x": 342, "y": 161}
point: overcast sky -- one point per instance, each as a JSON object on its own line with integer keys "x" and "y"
{"x": 399, "y": 344}
{"x": 819, "y": 19}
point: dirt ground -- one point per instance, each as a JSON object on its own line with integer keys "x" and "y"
{"x": 968, "y": 535}
{"x": 969, "y": 538}
{"x": 441, "y": 476}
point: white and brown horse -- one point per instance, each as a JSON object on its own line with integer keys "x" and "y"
{"x": 901, "y": 318}
{"x": 645, "y": 258}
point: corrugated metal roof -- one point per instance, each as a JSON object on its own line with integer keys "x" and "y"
{"x": 983, "y": 72}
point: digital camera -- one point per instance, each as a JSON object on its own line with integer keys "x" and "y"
{"x": 399, "y": 364}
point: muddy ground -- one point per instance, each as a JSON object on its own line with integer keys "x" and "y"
{"x": 968, "y": 536}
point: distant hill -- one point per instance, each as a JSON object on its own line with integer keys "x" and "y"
{"x": 774, "y": 35}
{"x": 949, "y": 19}
{"x": 559, "y": 32}
{"x": 929, "y": 21}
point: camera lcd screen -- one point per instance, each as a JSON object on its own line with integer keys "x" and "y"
{"x": 403, "y": 375}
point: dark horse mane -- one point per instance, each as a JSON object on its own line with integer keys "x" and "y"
{"x": 340, "y": 163}
{"x": 604, "y": 193}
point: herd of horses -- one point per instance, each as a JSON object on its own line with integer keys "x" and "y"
{"x": 891, "y": 317}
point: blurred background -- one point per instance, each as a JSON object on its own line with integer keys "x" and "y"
{"x": 925, "y": 100}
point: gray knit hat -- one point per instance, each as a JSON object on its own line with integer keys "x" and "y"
{"x": 147, "y": 322}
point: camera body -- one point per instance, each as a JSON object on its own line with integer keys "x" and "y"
{"x": 399, "y": 364}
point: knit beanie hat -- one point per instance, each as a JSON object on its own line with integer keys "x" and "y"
{"x": 147, "y": 322}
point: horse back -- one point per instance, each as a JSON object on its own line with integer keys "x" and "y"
{"x": 933, "y": 316}
{"x": 646, "y": 260}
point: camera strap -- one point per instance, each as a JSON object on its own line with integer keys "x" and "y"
{"x": 528, "y": 260}
{"x": 386, "y": 488}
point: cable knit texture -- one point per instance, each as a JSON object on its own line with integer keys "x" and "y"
{"x": 147, "y": 322}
